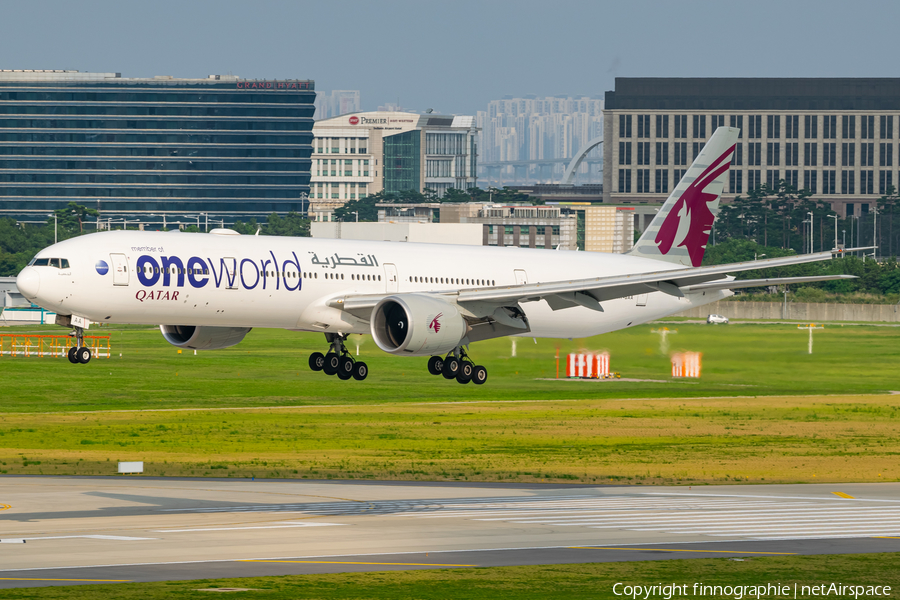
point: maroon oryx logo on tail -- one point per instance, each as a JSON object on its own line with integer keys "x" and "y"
{"x": 435, "y": 325}
{"x": 693, "y": 207}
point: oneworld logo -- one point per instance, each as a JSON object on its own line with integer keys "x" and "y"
{"x": 231, "y": 273}
{"x": 102, "y": 267}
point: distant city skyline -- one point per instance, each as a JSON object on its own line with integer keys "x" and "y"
{"x": 453, "y": 57}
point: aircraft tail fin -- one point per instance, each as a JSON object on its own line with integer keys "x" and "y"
{"x": 680, "y": 230}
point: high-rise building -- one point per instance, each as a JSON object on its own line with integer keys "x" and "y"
{"x": 223, "y": 146}
{"x": 336, "y": 103}
{"x": 533, "y": 139}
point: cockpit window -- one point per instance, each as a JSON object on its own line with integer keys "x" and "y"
{"x": 59, "y": 263}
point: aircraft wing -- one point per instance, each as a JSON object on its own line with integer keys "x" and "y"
{"x": 591, "y": 292}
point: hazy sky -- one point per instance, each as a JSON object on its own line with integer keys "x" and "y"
{"x": 454, "y": 56}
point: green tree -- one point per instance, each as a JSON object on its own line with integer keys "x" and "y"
{"x": 76, "y": 213}
{"x": 293, "y": 224}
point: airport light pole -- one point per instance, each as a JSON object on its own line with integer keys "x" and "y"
{"x": 205, "y": 222}
{"x": 874, "y": 230}
{"x": 805, "y": 242}
{"x": 55, "y": 227}
{"x": 810, "y": 232}
{"x": 357, "y": 215}
{"x": 835, "y": 217}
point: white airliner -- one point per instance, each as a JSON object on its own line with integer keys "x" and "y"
{"x": 415, "y": 299}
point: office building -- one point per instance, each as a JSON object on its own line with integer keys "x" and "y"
{"x": 224, "y": 146}
{"x": 336, "y": 103}
{"x": 520, "y": 226}
{"x": 466, "y": 234}
{"x": 837, "y": 137}
{"x": 361, "y": 154}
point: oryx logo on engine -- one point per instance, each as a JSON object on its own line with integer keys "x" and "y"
{"x": 435, "y": 325}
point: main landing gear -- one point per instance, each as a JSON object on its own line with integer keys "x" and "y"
{"x": 338, "y": 360}
{"x": 79, "y": 353}
{"x": 457, "y": 365}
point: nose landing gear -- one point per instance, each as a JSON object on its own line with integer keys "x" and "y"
{"x": 457, "y": 365}
{"x": 79, "y": 353}
{"x": 338, "y": 360}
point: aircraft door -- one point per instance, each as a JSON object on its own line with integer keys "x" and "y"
{"x": 119, "y": 269}
{"x": 521, "y": 277}
{"x": 392, "y": 282}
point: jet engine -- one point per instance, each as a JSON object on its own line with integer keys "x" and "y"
{"x": 203, "y": 338}
{"x": 417, "y": 325}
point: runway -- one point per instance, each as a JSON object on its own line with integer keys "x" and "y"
{"x": 73, "y": 530}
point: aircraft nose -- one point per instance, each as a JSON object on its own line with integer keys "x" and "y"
{"x": 29, "y": 282}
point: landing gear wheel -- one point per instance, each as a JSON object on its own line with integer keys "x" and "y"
{"x": 435, "y": 365}
{"x": 331, "y": 363}
{"x": 316, "y": 361}
{"x": 466, "y": 371}
{"x": 451, "y": 367}
{"x": 479, "y": 375}
{"x": 71, "y": 355}
{"x": 360, "y": 371}
{"x": 345, "y": 366}
{"x": 344, "y": 376}
{"x": 83, "y": 355}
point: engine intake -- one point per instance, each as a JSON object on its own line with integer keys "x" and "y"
{"x": 417, "y": 325}
{"x": 203, "y": 338}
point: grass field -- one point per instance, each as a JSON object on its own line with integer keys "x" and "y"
{"x": 764, "y": 411}
{"x": 269, "y": 368}
{"x": 565, "y": 582}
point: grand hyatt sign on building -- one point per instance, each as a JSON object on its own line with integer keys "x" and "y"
{"x": 273, "y": 85}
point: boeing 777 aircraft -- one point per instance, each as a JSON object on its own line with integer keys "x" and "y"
{"x": 433, "y": 300}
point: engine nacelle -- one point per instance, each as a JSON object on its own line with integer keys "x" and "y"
{"x": 203, "y": 338}
{"x": 417, "y": 325}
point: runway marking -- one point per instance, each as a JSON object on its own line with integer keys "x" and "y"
{"x": 676, "y": 550}
{"x": 760, "y": 496}
{"x": 5, "y": 506}
{"x": 843, "y": 495}
{"x": 90, "y": 537}
{"x": 256, "y": 527}
{"x": 333, "y": 562}
{"x": 41, "y": 579}
{"x": 886, "y": 537}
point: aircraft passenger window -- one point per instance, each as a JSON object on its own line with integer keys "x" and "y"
{"x": 64, "y": 263}
{"x": 379, "y": 278}
{"x": 342, "y": 275}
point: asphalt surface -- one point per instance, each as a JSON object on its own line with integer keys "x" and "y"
{"x": 73, "y": 530}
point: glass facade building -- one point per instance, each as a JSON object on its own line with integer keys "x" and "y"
{"x": 224, "y": 146}
{"x": 402, "y": 161}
